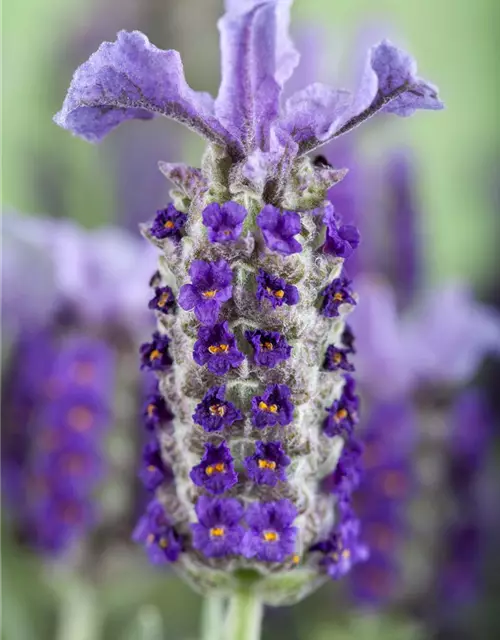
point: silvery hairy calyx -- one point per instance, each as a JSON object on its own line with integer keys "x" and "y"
{"x": 252, "y": 351}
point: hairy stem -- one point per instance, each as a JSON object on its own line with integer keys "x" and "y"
{"x": 244, "y": 616}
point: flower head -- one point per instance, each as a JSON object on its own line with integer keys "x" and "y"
{"x": 163, "y": 300}
{"x": 156, "y": 533}
{"x": 272, "y": 407}
{"x": 267, "y": 465}
{"x": 216, "y": 471}
{"x": 214, "y": 413}
{"x": 168, "y": 223}
{"x": 224, "y": 222}
{"x": 218, "y": 532}
{"x": 271, "y": 536}
{"x": 216, "y": 347}
{"x": 276, "y": 290}
{"x": 338, "y": 292}
{"x": 211, "y": 286}
{"x": 155, "y": 354}
{"x": 278, "y": 229}
{"x": 270, "y": 347}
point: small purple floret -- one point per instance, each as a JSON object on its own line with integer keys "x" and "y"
{"x": 216, "y": 347}
{"x": 272, "y": 407}
{"x": 343, "y": 413}
{"x": 267, "y": 464}
{"x": 168, "y": 223}
{"x": 278, "y": 229}
{"x": 341, "y": 240}
{"x": 338, "y": 292}
{"x": 153, "y": 471}
{"x": 214, "y": 413}
{"x": 224, "y": 222}
{"x": 276, "y": 290}
{"x": 347, "y": 474}
{"x": 270, "y": 537}
{"x": 155, "y": 354}
{"x": 210, "y": 287}
{"x": 342, "y": 550}
{"x": 218, "y": 532}
{"x": 154, "y": 530}
{"x": 270, "y": 347}
{"x": 163, "y": 300}
{"x": 348, "y": 339}
{"x": 156, "y": 412}
{"x": 215, "y": 472}
{"x": 336, "y": 359}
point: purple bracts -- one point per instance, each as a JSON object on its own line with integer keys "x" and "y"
{"x": 224, "y": 222}
{"x": 210, "y": 287}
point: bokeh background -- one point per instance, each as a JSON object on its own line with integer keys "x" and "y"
{"x": 456, "y": 160}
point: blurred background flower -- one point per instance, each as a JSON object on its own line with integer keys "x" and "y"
{"x": 425, "y": 199}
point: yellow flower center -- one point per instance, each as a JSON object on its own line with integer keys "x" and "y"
{"x": 268, "y": 346}
{"x": 270, "y": 536}
{"x": 217, "y": 410}
{"x": 337, "y": 358}
{"x": 218, "y": 348}
{"x": 163, "y": 542}
{"x": 215, "y": 468}
{"x": 151, "y": 410}
{"x": 209, "y": 294}
{"x": 217, "y": 532}
{"x": 267, "y": 464}
{"x": 273, "y": 408}
{"x": 151, "y": 467}
{"x": 169, "y": 224}
{"x": 163, "y": 299}
{"x": 338, "y": 296}
{"x": 341, "y": 415}
{"x": 277, "y": 294}
{"x": 155, "y": 354}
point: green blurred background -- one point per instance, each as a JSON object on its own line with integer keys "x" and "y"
{"x": 46, "y": 171}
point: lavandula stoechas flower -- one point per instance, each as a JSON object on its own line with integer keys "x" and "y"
{"x": 268, "y": 357}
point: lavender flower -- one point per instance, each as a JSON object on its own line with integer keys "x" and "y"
{"x": 163, "y": 300}
{"x": 270, "y": 347}
{"x": 278, "y": 229}
{"x": 276, "y": 290}
{"x": 216, "y": 347}
{"x": 272, "y": 407}
{"x": 155, "y": 532}
{"x": 156, "y": 412}
{"x": 215, "y": 472}
{"x": 336, "y": 293}
{"x": 224, "y": 222}
{"x": 218, "y": 532}
{"x": 168, "y": 223}
{"x": 257, "y": 153}
{"x": 342, "y": 550}
{"x": 336, "y": 358}
{"x": 155, "y": 354}
{"x": 267, "y": 464}
{"x": 214, "y": 412}
{"x": 153, "y": 471}
{"x": 341, "y": 240}
{"x": 209, "y": 289}
{"x": 343, "y": 413}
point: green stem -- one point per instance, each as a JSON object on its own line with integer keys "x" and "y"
{"x": 244, "y": 616}
{"x": 212, "y": 617}
{"x": 79, "y": 615}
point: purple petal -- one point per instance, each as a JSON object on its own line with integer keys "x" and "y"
{"x": 257, "y": 57}
{"x": 131, "y": 78}
{"x": 389, "y": 82}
